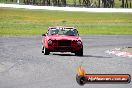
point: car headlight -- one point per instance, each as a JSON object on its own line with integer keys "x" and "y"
{"x": 79, "y": 43}
{"x": 50, "y": 42}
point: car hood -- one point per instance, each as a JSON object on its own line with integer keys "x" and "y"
{"x": 63, "y": 37}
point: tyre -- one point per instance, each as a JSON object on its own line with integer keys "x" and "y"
{"x": 42, "y": 49}
{"x": 45, "y": 51}
{"x": 80, "y": 53}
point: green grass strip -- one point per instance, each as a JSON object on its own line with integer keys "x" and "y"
{"x": 35, "y": 22}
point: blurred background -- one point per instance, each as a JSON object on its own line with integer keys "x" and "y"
{"x": 75, "y": 3}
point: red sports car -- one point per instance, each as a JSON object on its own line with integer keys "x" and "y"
{"x": 62, "y": 39}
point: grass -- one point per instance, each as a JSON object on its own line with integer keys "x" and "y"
{"x": 35, "y": 22}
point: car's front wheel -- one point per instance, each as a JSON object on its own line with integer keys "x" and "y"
{"x": 79, "y": 53}
{"x": 45, "y": 51}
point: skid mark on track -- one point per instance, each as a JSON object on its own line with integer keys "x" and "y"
{"x": 6, "y": 66}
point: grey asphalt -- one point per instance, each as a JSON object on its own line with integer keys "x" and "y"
{"x": 22, "y": 65}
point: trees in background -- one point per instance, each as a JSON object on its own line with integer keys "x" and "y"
{"x": 83, "y": 3}
{"x": 126, "y": 3}
{"x": 108, "y": 3}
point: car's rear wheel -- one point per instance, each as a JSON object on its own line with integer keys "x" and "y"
{"x": 79, "y": 53}
{"x": 45, "y": 51}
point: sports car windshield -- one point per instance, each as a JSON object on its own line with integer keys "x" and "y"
{"x": 68, "y": 32}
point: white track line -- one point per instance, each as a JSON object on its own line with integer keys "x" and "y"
{"x": 74, "y": 9}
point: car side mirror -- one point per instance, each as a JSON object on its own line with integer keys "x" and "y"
{"x": 43, "y": 34}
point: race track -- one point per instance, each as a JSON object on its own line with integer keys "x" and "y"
{"x": 22, "y": 65}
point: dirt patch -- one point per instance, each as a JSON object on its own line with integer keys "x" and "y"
{"x": 127, "y": 49}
